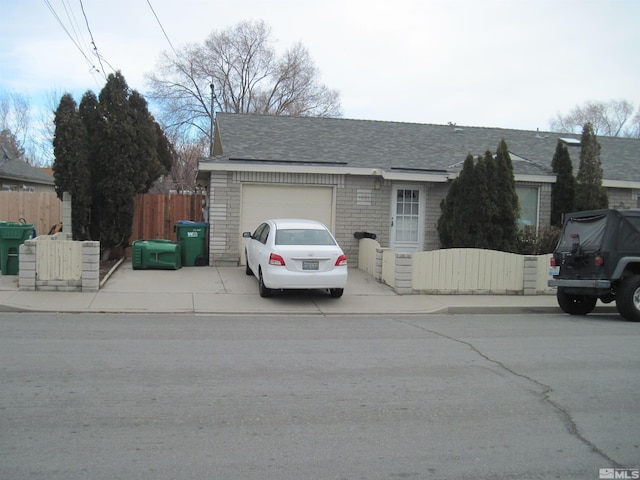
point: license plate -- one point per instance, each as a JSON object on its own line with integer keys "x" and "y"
{"x": 310, "y": 265}
{"x": 553, "y": 271}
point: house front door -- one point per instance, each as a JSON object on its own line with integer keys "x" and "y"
{"x": 407, "y": 218}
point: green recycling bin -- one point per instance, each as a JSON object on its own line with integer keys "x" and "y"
{"x": 156, "y": 255}
{"x": 192, "y": 236}
{"x": 12, "y": 235}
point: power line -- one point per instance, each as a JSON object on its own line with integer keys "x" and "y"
{"x": 93, "y": 68}
{"x": 161, "y": 27}
{"x": 95, "y": 47}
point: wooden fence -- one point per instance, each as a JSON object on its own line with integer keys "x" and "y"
{"x": 154, "y": 216}
{"x": 467, "y": 270}
{"x": 43, "y": 209}
{"x": 456, "y": 270}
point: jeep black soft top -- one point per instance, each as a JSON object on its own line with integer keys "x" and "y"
{"x": 598, "y": 257}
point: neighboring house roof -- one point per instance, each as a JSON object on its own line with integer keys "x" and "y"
{"x": 17, "y": 170}
{"x": 399, "y": 147}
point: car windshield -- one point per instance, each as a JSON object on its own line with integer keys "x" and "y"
{"x": 303, "y": 236}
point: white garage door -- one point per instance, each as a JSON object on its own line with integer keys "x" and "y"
{"x": 261, "y": 202}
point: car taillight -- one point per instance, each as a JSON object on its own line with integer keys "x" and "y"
{"x": 341, "y": 261}
{"x": 552, "y": 262}
{"x": 599, "y": 261}
{"x": 275, "y": 259}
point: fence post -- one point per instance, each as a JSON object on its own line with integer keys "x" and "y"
{"x": 378, "y": 273}
{"x": 403, "y": 273}
{"x": 27, "y": 262}
{"x": 90, "y": 266}
{"x": 530, "y": 275}
{"x": 67, "y": 226}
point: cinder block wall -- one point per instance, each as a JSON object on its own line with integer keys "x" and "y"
{"x": 362, "y": 203}
{"x": 62, "y": 281}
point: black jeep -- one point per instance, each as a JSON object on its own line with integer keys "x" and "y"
{"x": 598, "y": 257}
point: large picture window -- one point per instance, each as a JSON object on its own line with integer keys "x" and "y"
{"x": 529, "y": 206}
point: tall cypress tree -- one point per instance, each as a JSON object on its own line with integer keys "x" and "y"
{"x": 124, "y": 152}
{"x": 153, "y": 155}
{"x": 493, "y": 229}
{"x": 71, "y": 164}
{"x": 454, "y": 229}
{"x": 563, "y": 191}
{"x": 114, "y": 165}
{"x": 590, "y": 194}
{"x": 508, "y": 205}
{"x": 464, "y": 227}
{"x": 481, "y": 207}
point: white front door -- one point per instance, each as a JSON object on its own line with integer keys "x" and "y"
{"x": 407, "y": 218}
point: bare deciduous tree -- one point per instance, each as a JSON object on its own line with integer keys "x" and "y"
{"x": 609, "y": 119}
{"x": 186, "y": 155}
{"x": 247, "y": 75}
{"x": 14, "y": 117}
{"x": 33, "y": 139}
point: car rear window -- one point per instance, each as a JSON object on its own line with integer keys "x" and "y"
{"x": 585, "y": 233}
{"x": 635, "y": 221}
{"x": 303, "y": 236}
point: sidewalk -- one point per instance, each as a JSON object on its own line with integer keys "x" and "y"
{"x": 227, "y": 290}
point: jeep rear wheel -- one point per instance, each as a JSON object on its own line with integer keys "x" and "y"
{"x": 576, "y": 304}
{"x": 628, "y": 299}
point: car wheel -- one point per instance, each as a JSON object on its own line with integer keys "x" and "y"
{"x": 247, "y": 268}
{"x": 336, "y": 292}
{"x": 628, "y": 299}
{"x": 576, "y": 304}
{"x": 262, "y": 288}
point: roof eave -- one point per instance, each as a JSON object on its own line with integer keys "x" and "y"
{"x": 15, "y": 178}
{"x": 333, "y": 170}
{"x": 620, "y": 184}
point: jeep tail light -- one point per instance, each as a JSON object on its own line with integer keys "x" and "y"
{"x": 341, "y": 261}
{"x": 599, "y": 261}
{"x": 552, "y": 262}
{"x": 275, "y": 259}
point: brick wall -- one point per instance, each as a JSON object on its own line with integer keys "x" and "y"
{"x": 362, "y": 203}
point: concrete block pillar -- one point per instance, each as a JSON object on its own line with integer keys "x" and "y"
{"x": 90, "y": 266}
{"x": 530, "y": 275}
{"x": 378, "y": 273}
{"x": 27, "y": 262}
{"x": 66, "y": 213}
{"x": 404, "y": 271}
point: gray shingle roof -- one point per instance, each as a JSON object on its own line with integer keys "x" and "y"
{"x": 403, "y": 146}
{"x": 18, "y": 170}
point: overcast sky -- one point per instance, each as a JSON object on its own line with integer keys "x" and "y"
{"x": 489, "y": 63}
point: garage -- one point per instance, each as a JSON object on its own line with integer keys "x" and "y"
{"x": 263, "y": 201}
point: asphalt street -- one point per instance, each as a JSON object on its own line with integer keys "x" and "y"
{"x": 530, "y": 396}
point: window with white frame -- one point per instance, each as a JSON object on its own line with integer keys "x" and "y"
{"x": 529, "y": 198}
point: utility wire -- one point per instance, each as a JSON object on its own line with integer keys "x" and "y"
{"x": 161, "y": 27}
{"x": 95, "y": 47}
{"x": 73, "y": 40}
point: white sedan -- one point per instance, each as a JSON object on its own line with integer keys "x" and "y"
{"x": 295, "y": 254}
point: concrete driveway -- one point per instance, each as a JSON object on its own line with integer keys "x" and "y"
{"x": 228, "y": 290}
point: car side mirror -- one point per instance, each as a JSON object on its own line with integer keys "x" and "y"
{"x": 246, "y": 234}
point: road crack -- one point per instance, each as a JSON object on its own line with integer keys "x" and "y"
{"x": 567, "y": 419}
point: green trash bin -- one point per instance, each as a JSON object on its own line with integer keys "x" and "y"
{"x": 192, "y": 236}
{"x": 156, "y": 254}
{"x": 12, "y": 235}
